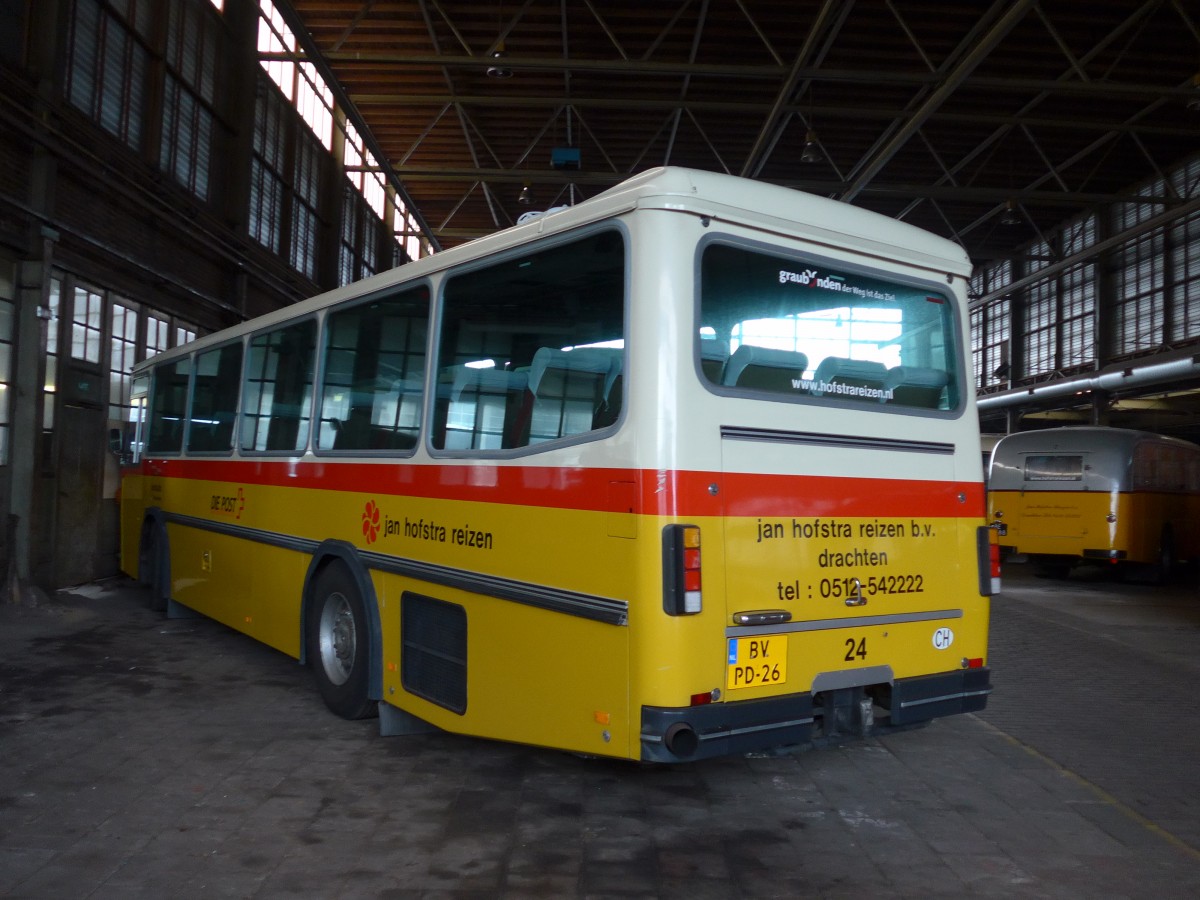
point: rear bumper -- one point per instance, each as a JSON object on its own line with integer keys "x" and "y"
{"x": 682, "y": 734}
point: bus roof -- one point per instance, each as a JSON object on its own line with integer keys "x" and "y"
{"x": 1111, "y": 449}
{"x": 720, "y": 197}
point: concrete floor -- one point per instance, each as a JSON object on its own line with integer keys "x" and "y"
{"x": 144, "y": 757}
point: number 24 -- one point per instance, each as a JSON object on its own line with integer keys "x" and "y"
{"x": 854, "y": 649}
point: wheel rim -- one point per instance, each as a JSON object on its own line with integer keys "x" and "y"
{"x": 337, "y": 638}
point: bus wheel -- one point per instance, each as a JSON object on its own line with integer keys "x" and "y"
{"x": 149, "y": 556}
{"x": 1165, "y": 569}
{"x": 1051, "y": 567}
{"x": 338, "y": 643}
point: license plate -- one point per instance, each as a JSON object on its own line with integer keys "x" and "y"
{"x": 756, "y": 662}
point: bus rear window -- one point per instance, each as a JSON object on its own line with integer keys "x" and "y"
{"x": 1053, "y": 468}
{"x": 780, "y": 325}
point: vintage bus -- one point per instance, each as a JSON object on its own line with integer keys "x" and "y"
{"x": 1112, "y": 495}
{"x": 688, "y": 469}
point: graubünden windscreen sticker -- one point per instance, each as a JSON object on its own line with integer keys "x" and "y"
{"x": 854, "y": 329}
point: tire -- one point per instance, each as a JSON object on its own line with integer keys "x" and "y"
{"x": 150, "y": 554}
{"x": 339, "y": 644}
{"x": 1051, "y": 567}
{"x": 1164, "y": 571}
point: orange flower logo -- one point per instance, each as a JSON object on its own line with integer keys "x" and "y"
{"x": 370, "y": 521}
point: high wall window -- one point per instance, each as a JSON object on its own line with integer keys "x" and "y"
{"x": 189, "y": 92}
{"x": 107, "y": 58}
{"x": 306, "y": 194}
{"x": 360, "y": 238}
{"x": 1184, "y": 259}
{"x": 303, "y": 88}
{"x": 267, "y": 168}
{"x": 111, "y": 47}
{"x": 1138, "y": 280}
{"x": 1078, "y": 298}
{"x": 1040, "y": 337}
{"x": 991, "y": 327}
{"x": 1154, "y": 280}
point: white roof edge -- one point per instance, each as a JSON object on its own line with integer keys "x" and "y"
{"x": 727, "y": 197}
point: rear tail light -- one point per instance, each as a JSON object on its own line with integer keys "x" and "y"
{"x": 988, "y": 553}
{"x": 681, "y": 570}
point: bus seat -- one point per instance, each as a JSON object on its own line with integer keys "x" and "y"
{"x": 481, "y": 405}
{"x": 570, "y": 388}
{"x": 283, "y": 430}
{"x": 354, "y": 432}
{"x": 713, "y": 357}
{"x": 851, "y": 372}
{"x": 916, "y": 386}
{"x": 765, "y": 368}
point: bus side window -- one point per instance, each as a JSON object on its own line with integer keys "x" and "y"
{"x": 215, "y": 399}
{"x": 374, "y": 383}
{"x": 483, "y": 404}
{"x": 570, "y": 389}
{"x": 278, "y": 389}
{"x": 168, "y": 406}
{"x": 531, "y": 346}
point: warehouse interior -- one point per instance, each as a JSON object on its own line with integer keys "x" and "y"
{"x": 172, "y": 167}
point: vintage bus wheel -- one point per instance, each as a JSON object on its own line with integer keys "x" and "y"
{"x": 1165, "y": 570}
{"x": 149, "y": 559}
{"x": 1051, "y": 566}
{"x": 339, "y": 643}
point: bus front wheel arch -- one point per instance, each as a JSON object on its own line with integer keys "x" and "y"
{"x": 338, "y": 642}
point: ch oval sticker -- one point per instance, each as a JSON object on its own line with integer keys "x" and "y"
{"x": 943, "y": 638}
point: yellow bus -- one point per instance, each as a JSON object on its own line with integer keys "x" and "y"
{"x": 1099, "y": 494}
{"x": 688, "y": 469}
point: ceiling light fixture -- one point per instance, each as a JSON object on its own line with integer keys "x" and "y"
{"x": 1010, "y": 216}
{"x": 812, "y": 151}
{"x": 497, "y": 69}
{"x": 526, "y": 195}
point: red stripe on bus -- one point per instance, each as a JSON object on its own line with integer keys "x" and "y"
{"x": 666, "y": 493}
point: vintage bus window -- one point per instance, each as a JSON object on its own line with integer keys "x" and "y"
{"x": 168, "y": 407}
{"x": 374, "y": 383}
{"x": 780, "y": 325}
{"x": 215, "y": 398}
{"x": 1053, "y": 468}
{"x": 531, "y": 349}
{"x": 277, "y": 396}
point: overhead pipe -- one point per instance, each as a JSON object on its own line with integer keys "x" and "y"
{"x": 1118, "y": 377}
